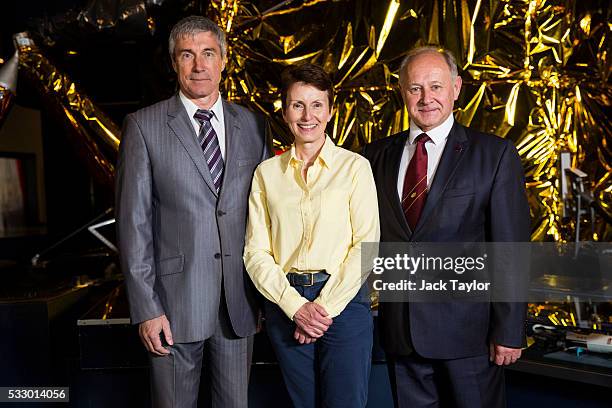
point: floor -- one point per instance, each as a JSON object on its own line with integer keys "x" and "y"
{"x": 128, "y": 387}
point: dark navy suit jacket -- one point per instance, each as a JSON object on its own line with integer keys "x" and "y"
{"x": 477, "y": 195}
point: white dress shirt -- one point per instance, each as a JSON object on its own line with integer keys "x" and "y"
{"x": 217, "y": 121}
{"x": 434, "y": 148}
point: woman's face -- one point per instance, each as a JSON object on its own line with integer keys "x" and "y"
{"x": 307, "y": 112}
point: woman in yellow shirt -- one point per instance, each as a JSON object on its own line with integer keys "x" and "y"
{"x": 310, "y": 210}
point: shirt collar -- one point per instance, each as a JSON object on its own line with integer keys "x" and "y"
{"x": 325, "y": 156}
{"x": 191, "y": 107}
{"x": 437, "y": 134}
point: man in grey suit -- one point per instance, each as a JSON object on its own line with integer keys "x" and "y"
{"x": 183, "y": 178}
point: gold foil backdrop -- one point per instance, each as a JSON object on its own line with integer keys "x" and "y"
{"x": 536, "y": 72}
{"x": 95, "y": 135}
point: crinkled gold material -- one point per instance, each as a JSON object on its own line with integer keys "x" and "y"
{"x": 8, "y": 84}
{"x": 96, "y": 135}
{"x": 109, "y": 14}
{"x": 535, "y": 71}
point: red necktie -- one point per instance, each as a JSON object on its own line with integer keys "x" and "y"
{"x": 414, "y": 192}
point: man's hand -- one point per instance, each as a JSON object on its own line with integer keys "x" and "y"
{"x": 302, "y": 337}
{"x": 312, "y": 319}
{"x": 501, "y": 355}
{"x": 149, "y": 331}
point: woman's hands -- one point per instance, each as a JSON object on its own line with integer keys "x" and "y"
{"x": 302, "y": 337}
{"x": 312, "y": 322}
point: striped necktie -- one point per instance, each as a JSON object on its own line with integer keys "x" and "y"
{"x": 210, "y": 146}
{"x": 414, "y": 192}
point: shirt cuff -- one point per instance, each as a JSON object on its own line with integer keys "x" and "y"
{"x": 291, "y": 303}
{"x": 330, "y": 310}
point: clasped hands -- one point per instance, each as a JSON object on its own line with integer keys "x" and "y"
{"x": 311, "y": 322}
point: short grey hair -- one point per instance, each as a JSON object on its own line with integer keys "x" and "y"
{"x": 192, "y": 25}
{"x": 428, "y": 49}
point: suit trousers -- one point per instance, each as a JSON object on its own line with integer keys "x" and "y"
{"x": 335, "y": 370}
{"x": 471, "y": 382}
{"x": 225, "y": 360}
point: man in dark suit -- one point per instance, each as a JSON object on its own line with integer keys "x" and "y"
{"x": 442, "y": 182}
{"x": 183, "y": 179}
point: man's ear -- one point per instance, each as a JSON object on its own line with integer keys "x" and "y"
{"x": 400, "y": 86}
{"x": 457, "y": 86}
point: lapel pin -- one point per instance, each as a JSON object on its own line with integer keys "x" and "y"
{"x": 458, "y": 148}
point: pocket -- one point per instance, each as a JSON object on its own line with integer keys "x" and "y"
{"x": 335, "y": 207}
{"x": 456, "y": 208}
{"x": 170, "y": 265}
{"x": 456, "y": 192}
{"x": 246, "y": 168}
{"x": 248, "y": 162}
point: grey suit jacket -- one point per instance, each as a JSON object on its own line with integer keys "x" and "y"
{"x": 181, "y": 244}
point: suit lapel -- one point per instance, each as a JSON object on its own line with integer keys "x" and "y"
{"x": 454, "y": 150}
{"x": 393, "y": 158}
{"x": 230, "y": 117}
{"x": 179, "y": 122}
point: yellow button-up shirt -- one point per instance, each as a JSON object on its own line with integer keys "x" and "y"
{"x": 314, "y": 225}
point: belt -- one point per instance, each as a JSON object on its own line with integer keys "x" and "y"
{"x": 306, "y": 279}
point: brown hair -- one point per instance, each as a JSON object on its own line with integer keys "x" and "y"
{"x": 309, "y": 74}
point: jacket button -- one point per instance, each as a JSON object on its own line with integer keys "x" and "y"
{"x": 221, "y": 213}
{"x": 217, "y": 255}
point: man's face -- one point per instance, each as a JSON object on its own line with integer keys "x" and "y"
{"x": 198, "y": 64}
{"x": 429, "y": 91}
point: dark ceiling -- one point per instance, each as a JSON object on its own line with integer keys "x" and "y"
{"x": 122, "y": 65}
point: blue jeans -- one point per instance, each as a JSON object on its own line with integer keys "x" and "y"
{"x": 334, "y": 371}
